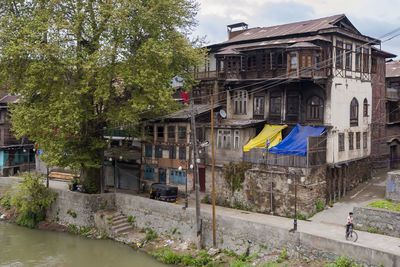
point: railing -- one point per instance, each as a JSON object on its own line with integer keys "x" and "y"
{"x": 316, "y": 155}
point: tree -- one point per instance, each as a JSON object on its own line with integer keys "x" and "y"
{"x": 80, "y": 66}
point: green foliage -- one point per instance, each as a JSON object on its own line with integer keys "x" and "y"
{"x": 31, "y": 200}
{"x": 150, "y": 234}
{"x": 90, "y": 186}
{"x": 284, "y": 254}
{"x": 206, "y": 200}
{"x": 71, "y": 213}
{"x": 235, "y": 174}
{"x": 320, "y": 205}
{"x": 279, "y": 260}
{"x": 80, "y": 67}
{"x": 132, "y": 220}
{"x": 174, "y": 231}
{"x": 103, "y": 206}
{"x": 5, "y": 202}
{"x": 73, "y": 228}
{"x": 384, "y": 204}
{"x": 241, "y": 206}
{"x": 375, "y": 231}
{"x": 301, "y": 217}
{"x": 343, "y": 262}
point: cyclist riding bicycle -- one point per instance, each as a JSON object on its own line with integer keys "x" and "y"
{"x": 349, "y": 223}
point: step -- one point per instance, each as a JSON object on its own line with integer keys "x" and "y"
{"x": 116, "y": 226}
{"x": 123, "y": 229}
{"x": 117, "y": 221}
{"x": 118, "y": 217}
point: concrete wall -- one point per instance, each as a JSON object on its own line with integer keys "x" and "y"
{"x": 380, "y": 220}
{"x": 233, "y": 233}
{"x": 393, "y": 186}
{"x": 83, "y": 205}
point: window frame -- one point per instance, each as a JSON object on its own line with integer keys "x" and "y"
{"x": 358, "y": 140}
{"x": 365, "y": 108}
{"x": 240, "y": 98}
{"x": 147, "y": 148}
{"x": 236, "y": 139}
{"x": 224, "y": 139}
{"x": 349, "y": 56}
{"x": 173, "y": 135}
{"x": 259, "y": 105}
{"x": 351, "y": 140}
{"x": 293, "y": 61}
{"x": 313, "y": 109}
{"x": 341, "y": 145}
{"x": 365, "y": 140}
{"x": 182, "y": 152}
{"x": 339, "y": 55}
{"x": 182, "y": 129}
{"x": 354, "y": 110}
{"x": 158, "y": 151}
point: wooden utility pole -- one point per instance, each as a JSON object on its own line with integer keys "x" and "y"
{"x": 212, "y": 168}
{"x": 196, "y": 175}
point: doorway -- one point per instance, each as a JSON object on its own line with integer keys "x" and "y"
{"x": 162, "y": 175}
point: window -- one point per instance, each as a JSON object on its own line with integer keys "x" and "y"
{"x": 264, "y": 62}
{"x": 150, "y": 130}
{"x": 240, "y": 101}
{"x": 177, "y": 177}
{"x": 182, "y": 132}
{"x": 293, "y": 62}
{"x": 236, "y": 138}
{"x": 365, "y": 58}
{"x": 374, "y": 64}
{"x": 182, "y": 152}
{"x": 224, "y": 139}
{"x": 339, "y": 55}
{"x": 317, "y": 60}
{"x": 306, "y": 61}
{"x": 172, "y": 152}
{"x": 358, "y": 140}
{"x": 365, "y": 140}
{"x": 160, "y": 131}
{"x": 354, "y": 112}
{"x": 148, "y": 173}
{"x": 292, "y": 106}
{"x": 171, "y": 132}
{"x": 259, "y": 105}
{"x": 158, "y": 152}
{"x": 275, "y": 104}
{"x": 351, "y": 140}
{"x": 349, "y": 54}
{"x": 341, "y": 141}
{"x": 365, "y": 108}
{"x": 358, "y": 58}
{"x": 251, "y": 63}
{"x": 315, "y": 109}
{"x": 148, "y": 150}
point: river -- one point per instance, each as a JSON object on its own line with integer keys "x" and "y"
{"x": 21, "y": 246}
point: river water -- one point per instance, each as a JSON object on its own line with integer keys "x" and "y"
{"x": 20, "y": 246}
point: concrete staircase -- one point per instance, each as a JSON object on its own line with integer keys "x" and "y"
{"x": 120, "y": 224}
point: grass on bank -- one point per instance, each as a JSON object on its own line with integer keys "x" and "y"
{"x": 384, "y": 204}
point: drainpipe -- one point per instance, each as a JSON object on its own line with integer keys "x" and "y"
{"x": 271, "y": 198}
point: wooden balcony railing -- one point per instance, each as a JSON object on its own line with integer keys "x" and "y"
{"x": 316, "y": 155}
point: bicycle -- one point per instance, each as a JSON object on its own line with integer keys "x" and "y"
{"x": 351, "y": 235}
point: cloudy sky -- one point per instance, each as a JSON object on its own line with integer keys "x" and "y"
{"x": 374, "y": 18}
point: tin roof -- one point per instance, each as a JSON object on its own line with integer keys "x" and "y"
{"x": 184, "y": 114}
{"x": 271, "y": 43}
{"x": 287, "y": 29}
{"x": 8, "y": 99}
{"x": 304, "y": 45}
{"x": 393, "y": 69}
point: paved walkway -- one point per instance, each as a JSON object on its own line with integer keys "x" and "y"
{"x": 373, "y": 189}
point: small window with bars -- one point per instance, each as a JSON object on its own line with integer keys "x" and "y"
{"x": 351, "y": 141}
{"x": 341, "y": 141}
{"x": 358, "y": 140}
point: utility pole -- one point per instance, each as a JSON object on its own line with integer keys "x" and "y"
{"x": 196, "y": 174}
{"x": 212, "y": 167}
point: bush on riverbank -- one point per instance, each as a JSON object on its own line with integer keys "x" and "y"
{"x": 31, "y": 200}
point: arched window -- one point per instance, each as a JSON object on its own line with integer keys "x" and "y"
{"x": 354, "y": 112}
{"x": 315, "y": 109}
{"x": 365, "y": 109}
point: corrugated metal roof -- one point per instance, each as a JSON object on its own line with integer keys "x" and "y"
{"x": 393, "y": 69}
{"x": 287, "y": 29}
{"x": 275, "y": 43}
{"x": 304, "y": 45}
{"x": 228, "y": 51}
{"x": 184, "y": 114}
{"x": 8, "y": 99}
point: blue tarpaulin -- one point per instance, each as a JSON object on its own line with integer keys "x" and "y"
{"x": 296, "y": 142}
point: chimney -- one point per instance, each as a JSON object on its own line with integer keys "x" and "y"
{"x": 232, "y": 33}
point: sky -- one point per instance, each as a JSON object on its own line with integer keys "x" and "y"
{"x": 373, "y": 18}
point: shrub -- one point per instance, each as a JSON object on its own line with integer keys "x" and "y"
{"x": 151, "y": 234}
{"x": 5, "y": 202}
{"x": 320, "y": 205}
{"x": 90, "y": 186}
{"x": 284, "y": 254}
{"x": 31, "y": 200}
{"x": 71, "y": 213}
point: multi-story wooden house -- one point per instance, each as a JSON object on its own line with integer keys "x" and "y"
{"x": 15, "y": 155}
{"x": 386, "y": 114}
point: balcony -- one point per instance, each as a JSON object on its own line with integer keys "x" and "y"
{"x": 316, "y": 155}
{"x": 205, "y": 75}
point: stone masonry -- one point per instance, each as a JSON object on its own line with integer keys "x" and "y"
{"x": 393, "y": 186}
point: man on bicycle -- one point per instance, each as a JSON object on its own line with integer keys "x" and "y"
{"x": 349, "y": 223}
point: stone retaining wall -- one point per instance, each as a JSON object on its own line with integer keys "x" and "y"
{"x": 234, "y": 232}
{"x": 393, "y": 186}
{"x": 377, "y": 220}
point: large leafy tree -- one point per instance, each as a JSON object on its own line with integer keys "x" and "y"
{"x": 79, "y": 66}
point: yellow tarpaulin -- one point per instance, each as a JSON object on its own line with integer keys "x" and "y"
{"x": 271, "y": 132}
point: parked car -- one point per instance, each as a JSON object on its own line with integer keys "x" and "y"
{"x": 164, "y": 192}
